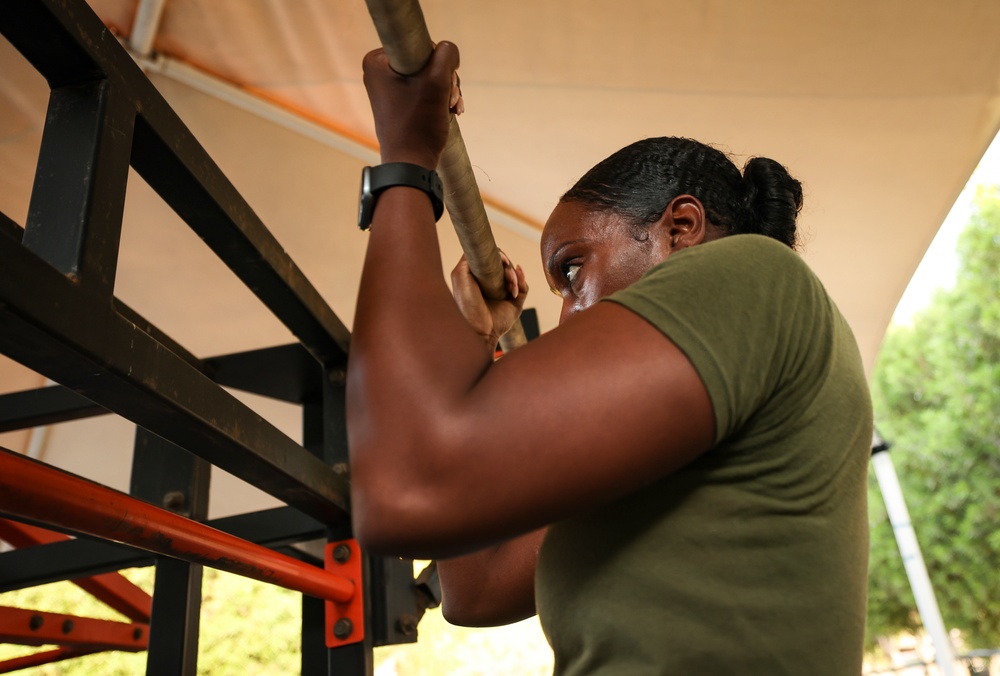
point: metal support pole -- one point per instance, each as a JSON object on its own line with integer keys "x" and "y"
{"x": 173, "y": 630}
{"x": 913, "y": 561}
{"x": 34, "y": 491}
{"x": 325, "y": 435}
{"x": 167, "y": 475}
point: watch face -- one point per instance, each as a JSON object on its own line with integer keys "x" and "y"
{"x": 366, "y": 200}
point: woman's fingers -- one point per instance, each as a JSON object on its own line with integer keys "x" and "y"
{"x": 413, "y": 113}
{"x": 456, "y": 104}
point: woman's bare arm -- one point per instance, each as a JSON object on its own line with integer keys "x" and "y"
{"x": 494, "y": 586}
{"x": 451, "y": 453}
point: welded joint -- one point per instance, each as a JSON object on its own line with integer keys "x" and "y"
{"x": 345, "y": 622}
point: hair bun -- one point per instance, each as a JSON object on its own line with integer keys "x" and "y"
{"x": 773, "y": 199}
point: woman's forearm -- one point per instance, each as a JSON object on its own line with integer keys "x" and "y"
{"x": 412, "y": 357}
{"x": 493, "y": 586}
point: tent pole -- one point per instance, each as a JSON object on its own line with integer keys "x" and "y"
{"x": 913, "y": 561}
{"x": 146, "y": 26}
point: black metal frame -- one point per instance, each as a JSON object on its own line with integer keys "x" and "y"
{"x": 58, "y": 317}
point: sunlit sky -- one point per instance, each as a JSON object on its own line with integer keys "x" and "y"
{"x": 939, "y": 266}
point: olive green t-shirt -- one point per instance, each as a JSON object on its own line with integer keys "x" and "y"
{"x": 753, "y": 558}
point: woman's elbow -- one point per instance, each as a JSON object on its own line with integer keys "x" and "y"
{"x": 466, "y": 614}
{"x": 393, "y": 522}
{"x": 477, "y": 610}
{"x": 377, "y": 525}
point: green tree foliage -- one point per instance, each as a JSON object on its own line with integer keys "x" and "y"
{"x": 936, "y": 391}
{"x": 250, "y": 628}
{"x": 247, "y": 627}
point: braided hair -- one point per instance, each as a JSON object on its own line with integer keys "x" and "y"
{"x": 640, "y": 180}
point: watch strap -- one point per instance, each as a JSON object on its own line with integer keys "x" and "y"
{"x": 392, "y": 174}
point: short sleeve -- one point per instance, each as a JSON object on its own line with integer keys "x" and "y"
{"x": 748, "y": 313}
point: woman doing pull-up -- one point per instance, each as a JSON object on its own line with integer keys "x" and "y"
{"x": 675, "y": 477}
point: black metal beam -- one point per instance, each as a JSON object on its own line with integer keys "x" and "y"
{"x": 170, "y": 477}
{"x": 173, "y": 627}
{"x": 313, "y": 638}
{"x": 58, "y": 316}
{"x": 274, "y": 528}
{"x": 286, "y": 372}
{"x": 54, "y": 38}
{"x": 159, "y": 336}
{"x": 44, "y": 406}
{"x": 167, "y": 476}
{"x": 9, "y": 228}
{"x": 75, "y": 215}
{"x": 77, "y": 339}
{"x": 175, "y": 165}
{"x": 65, "y": 325}
{"x": 68, "y": 44}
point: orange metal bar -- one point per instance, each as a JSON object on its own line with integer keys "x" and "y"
{"x": 116, "y": 591}
{"x": 113, "y": 589}
{"x": 35, "y": 627}
{"x": 43, "y": 657}
{"x": 25, "y": 535}
{"x": 35, "y": 491}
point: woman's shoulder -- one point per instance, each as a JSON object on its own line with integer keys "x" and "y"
{"x": 737, "y": 264}
{"x": 747, "y": 249}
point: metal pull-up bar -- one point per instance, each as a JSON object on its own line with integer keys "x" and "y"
{"x": 32, "y": 490}
{"x": 407, "y": 43}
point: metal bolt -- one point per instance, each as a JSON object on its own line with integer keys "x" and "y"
{"x": 341, "y": 469}
{"x": 36, "y": 622}
{"x": 67, "y": 626}
{"x": 174, "y": 501}
{"x": 341, "y": 553}
{"x": 407, "y": 625}
{"x": 338, "y": 376}
{"x": 343, "y": 628}
{"x": 137, "y": 633}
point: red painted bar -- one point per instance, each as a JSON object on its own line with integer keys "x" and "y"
{"x": 113, "y": 589}
{"x": 116, "y": 591}
{"x": 35, "y": 627}
{"x": 35, "y": 491}
{"x": 43, "y": 657}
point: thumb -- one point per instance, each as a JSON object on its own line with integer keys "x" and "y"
{"x": 445, "y": 58}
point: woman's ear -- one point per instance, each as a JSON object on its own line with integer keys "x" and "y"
{"x": 682, "y": 224}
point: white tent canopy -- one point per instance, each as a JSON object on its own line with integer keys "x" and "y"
{"x": 882, "y": 109}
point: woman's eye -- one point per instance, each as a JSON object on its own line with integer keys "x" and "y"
{"x": 570, "y": 271}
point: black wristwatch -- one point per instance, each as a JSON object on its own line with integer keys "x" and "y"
{"x": 376, "y": 179}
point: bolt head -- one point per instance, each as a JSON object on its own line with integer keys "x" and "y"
{"x": 407, "y": 625}
{"x": 343, "y": 628}
{"x": 174, "y": 501}
{"x": 341, "y": 553}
